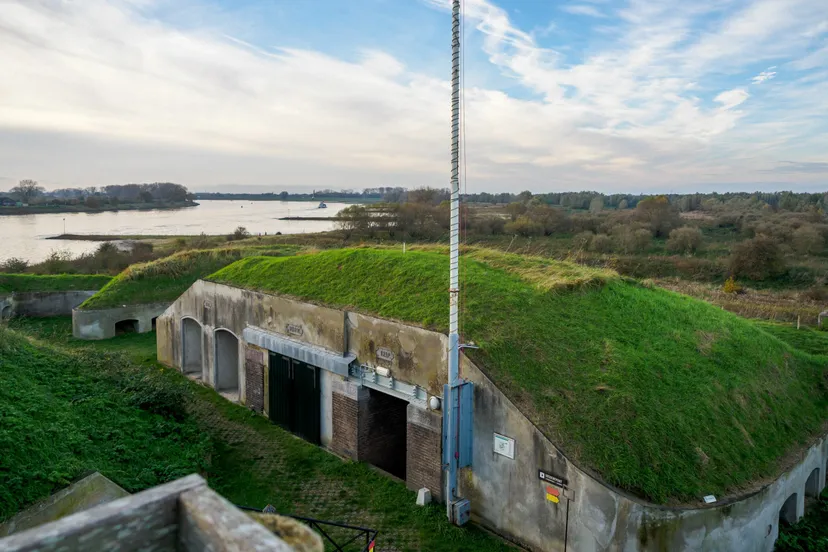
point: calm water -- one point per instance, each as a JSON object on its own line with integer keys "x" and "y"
{"x": 24, "y": 236}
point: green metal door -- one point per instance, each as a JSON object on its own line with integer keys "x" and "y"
{"x": 280, "y": 386}
{"x": 306, "y": 405}
{"x": 293, "y": 391}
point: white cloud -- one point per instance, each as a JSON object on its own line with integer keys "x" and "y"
{"x": 626, "y": 116}
{"x": 765, "y": 75}
{"x": 582, "y": 9}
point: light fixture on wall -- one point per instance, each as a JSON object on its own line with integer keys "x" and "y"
{"x": 384, "y": 372}
{"x": 434, "y": 403}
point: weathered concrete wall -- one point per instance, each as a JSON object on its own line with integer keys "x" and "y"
{"x": 508, "y": 495}
{"x": 100, "y": 324}
{"x": 92, "y": 490}
{"x": 42, "y": 303}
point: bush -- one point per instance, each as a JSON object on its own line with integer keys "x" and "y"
{"x": 600, "y": 243}
{"x": 524, "y": 226}
{"x": 730, "y": 286}
{"x": 658, "y": 214}
{"x": 14, "y": 265}
{"x": 239, "y": 233}
{"x": 687, "y": 240}
{"x": 807, "y": 240}
{"x": 631, "y": 238}
{"x": 759, "y": 258}
{"x": 487, "y": 226}
{"x": 582, "y": 239}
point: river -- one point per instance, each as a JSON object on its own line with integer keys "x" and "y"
{"x": 24, "y": 236}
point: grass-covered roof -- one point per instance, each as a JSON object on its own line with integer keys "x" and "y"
{"x": 58, "y": 282}
{"x": 167, "y": 278}
{"x": 663, "y": 395}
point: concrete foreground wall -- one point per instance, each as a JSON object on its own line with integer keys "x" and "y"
{"x": 41, "y": 303}
{"x": 101, "y": 324}
{"x": 506, "y": 493}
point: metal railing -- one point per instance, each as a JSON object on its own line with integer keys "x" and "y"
{"x": 320, "y": 526}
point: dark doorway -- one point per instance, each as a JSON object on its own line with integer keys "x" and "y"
{"x": 383, "y": 427}
{"x": 154, "y": 320}
{"x": 293, "y": 393}
{"x": 6, "y": 312}
{"x": 126, "y": 326}
{"x": 787, "y": 514}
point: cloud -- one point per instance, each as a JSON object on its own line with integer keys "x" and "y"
{"x": 818, "y": 167}
{"x": 765, "y": 75}
{"x": 654, "y": 104}
{"x": 582, "y": 9}
{"x": 732, "y": 98}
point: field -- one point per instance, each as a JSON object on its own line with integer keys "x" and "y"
{"x": 661, "y": 394}
{"x": 251, "y": 461}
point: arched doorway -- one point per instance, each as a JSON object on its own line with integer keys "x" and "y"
{"x": 190, "y": 346}
{"x": 227, "y": 361}
{"x": 126, "y": 326}
{"x": 787, "y": 514}
{"x": 812, "y": 484}
{"x": 5, "y": 313}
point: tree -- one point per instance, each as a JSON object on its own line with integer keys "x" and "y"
{"x": 145, "y": 196}
{"x": 686, "y": 239}
{"x": 239, "y": 233}
{"x": 601, "y": 243}
{"x": 659, "y": 214}
{"x": 759, "y": 258}
{"x": 283, "y": 196}
{"x": 596, "y": 205}
{"x": 92, "y": 202}
{"x": 524, "y": 226}
{"x": 807, "y": 240}
{"x": 27, "y": 190}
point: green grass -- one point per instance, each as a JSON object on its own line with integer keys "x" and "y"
{"x": 385, "y": 503}
{"x": 167, "y": 278}
{"x": 807, "y": 339}
{"x": 63, "y": 414}
{"x": 663, "y": 395}
{"x": 59, "y": 282}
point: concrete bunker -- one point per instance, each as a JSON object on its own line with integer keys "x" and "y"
{"x": 787, "y": 514}
{"x": 191, "y": 346}
{"x": 812, "y": 484}
{"x": 227, "y": 361}
{"x": 384, "y": 432}
{"x": 126, "y": 326}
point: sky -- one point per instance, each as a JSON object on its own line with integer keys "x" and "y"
{"x": 269, "y": 95}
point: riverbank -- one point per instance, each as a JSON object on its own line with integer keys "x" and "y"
{"x": 52, "y": 209}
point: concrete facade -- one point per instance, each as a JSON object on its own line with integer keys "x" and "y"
{"x": 506, "y": 491}
{"x": 41, "y": 303}
{"x": 104, "y": 323}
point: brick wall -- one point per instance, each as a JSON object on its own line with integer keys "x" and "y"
{"x": 345, "y": 421}
{"x": 424, "y": 451}
{"x": 382, "y": 432}
{"x": 254, "y": 368}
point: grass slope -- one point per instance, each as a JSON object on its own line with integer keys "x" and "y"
{"x": 806, "y": 339}
{"x": 64, "y": 414}
{"x": 662, "y": 395}
{"x": 167, "y": 278}
{"x": 59, "y": 282}
{"x": 254, "y": 462}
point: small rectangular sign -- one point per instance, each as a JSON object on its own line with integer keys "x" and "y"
{"x": 554, "y": 479}
{"x": 385, "y": 354}
{"x": 294, "y": 329}
{"x": 504, "y": 446}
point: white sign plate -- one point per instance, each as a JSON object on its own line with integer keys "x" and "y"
{"x": 504, "y": 446}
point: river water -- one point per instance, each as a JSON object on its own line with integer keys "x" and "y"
{"x": 24, "y": 236}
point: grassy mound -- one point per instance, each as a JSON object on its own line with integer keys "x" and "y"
{"x": 60, "y": 282}
{"x": 167, "y": 278}
{"x": 662, "y": 395}
{"x": 64, "y": 414}
{"x": 810, "y": 340}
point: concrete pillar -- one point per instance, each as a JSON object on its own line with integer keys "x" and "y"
{"x": 254, "y": 369}
{"x": 424, "y": 451}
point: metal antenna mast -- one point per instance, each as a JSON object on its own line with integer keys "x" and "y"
{"x": 457, "y": 394}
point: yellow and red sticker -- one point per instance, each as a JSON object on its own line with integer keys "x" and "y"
{"x": 552, "y": 494}
{"x": 371, "y": 547}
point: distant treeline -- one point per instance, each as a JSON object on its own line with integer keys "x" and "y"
{"x": 368, "y": 195}
{"x": 29, "y": 192}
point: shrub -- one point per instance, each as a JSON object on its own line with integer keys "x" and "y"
{"x": 759, "y": 258}
{"x": 14, "y": 265}
{"x": 239, "y": 233}
{"x": 686, "y": 239}
{"x": 582, "y": 239}
{"x": 487, "y": 226}
{"x": 524, "y": 226}
{"x": 807, "y": 240}
{"x": 600, "y": 243}
{"x": 631, "y": 238}
{"x": 730, "y": 286}
{"x": 658, "y": 214}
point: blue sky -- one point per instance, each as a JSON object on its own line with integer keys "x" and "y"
{"x": 640, "y": 95}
